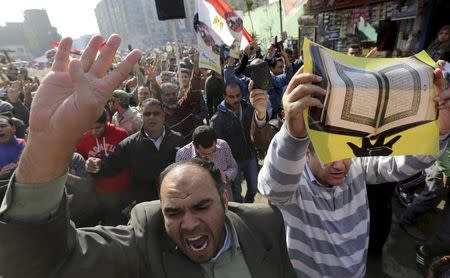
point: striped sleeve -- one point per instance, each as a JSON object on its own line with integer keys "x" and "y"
{"x": 280, "y": 175}
{"x": 396, "y": 168}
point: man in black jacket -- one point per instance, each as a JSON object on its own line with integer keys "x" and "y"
{"x": 232, "y": 123}
{"x": 146, "y": 153}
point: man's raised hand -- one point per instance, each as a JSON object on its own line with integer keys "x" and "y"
{"x": 259, "y": 100}
{"x": 73, "y": 94}
{"x": 299, "y": 95}
{"x": 69, "y": 100}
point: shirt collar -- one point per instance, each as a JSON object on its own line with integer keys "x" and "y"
{"x": 157, "y": 139}
{"x": 310, "y": 175}
{"x": 227, "y": 243}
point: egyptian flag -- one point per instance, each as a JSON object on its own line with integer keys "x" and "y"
{"x": 74, "y": 50}
{"x": 223, "y": 20}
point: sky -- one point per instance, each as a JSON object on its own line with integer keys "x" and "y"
{"x": 72, "y": 18}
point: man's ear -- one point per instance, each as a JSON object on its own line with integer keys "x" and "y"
{"x": 225, "y": 199}
{"x": 308, "y": 155}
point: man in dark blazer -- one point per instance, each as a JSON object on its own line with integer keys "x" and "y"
{"x": 191, "y": 233}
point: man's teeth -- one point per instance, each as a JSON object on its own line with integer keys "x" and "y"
{"x": 194, "y": 238}
{"x": 191, "y": 243}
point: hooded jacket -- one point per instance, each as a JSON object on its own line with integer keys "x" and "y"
{"x": 234, "y": 129}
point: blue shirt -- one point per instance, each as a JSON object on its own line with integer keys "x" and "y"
{"x": 10, "y": 152}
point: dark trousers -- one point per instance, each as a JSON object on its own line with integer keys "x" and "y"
{"x": 380, "y": 208}
{"x": 249, "y": 169}
{"x": 439, "y": 242}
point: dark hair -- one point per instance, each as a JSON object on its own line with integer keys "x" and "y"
{"x": 8, "y": 119}
{"x": 289, "y": 51}
{"x": 231, "y": 85}
{"x": 151, "y": 101}
{"x": 201, "y": 163}
{"x": 273, "y": 62}
{"x": 185, "y": 70}
{"x": 204, "y": 136}
{"x": 103, "y": 118}
{"x": 445, "y": 27}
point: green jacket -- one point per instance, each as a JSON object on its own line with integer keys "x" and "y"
{"x": 141, "y": 249}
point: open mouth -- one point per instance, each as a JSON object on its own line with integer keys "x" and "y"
{"x": 198, "y": 243}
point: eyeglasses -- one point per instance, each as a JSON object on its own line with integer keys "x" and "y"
{"x": 148, "y": 114}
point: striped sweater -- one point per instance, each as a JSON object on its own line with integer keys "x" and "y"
{"x": 327, "y": 229}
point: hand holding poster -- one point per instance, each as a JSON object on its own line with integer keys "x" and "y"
{"x": 208, "y": 46}
{"x": 222, "y": 19}
{"x": 217, "y": 22}
{"x": 373, "y": 106}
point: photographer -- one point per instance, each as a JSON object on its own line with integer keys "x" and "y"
{"x": 282, "y": 72}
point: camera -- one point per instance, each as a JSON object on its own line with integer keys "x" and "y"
{"x": 260, "y": 74}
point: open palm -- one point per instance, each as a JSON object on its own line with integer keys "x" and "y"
{"x": 73, "y": 94}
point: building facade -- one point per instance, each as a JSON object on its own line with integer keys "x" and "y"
{"x": 29, "y": 38}
{"x": 137, "y": 22}
{"x": 38, "y": 31}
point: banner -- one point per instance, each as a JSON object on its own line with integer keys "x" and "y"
{"x": 290, "y": 7}
{"x": 224, "y": 21}
{"x": 373, "y": 106}
{"x": 208, "y": 46}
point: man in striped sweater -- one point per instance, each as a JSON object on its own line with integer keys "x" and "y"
{"x": 325, "y": 207}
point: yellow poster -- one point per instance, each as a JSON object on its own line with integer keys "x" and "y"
{"x": 373, "y": 106}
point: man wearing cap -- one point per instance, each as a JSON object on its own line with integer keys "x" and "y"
{"x": 125, "y": 117}
{"x": 6, "y": 109}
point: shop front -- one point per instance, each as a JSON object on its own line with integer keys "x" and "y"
{"x": 396, "y": 28}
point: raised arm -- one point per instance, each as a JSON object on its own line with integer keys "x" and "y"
{"x": 192, "y": 97}
{"x": 151, "y": 82}
{"x": 244, "y": 60}
{"x": 69, "y": 100}
{"x": 279, "y": 178}
{"x": 195, "y": 78}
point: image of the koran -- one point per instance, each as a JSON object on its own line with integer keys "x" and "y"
{"x": 373, "y": 106}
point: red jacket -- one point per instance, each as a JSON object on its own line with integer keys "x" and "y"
{"x": 88, "y": 146}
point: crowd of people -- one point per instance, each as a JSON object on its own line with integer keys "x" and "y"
{"x": 94, "y": 142}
